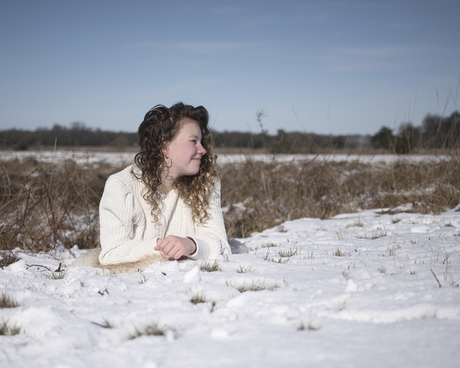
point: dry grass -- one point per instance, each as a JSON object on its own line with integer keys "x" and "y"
{"x": 244, "y": 269}
{"x": 6, "y": 330}
{"x": 198, "y": 298}
{"x": 262, "y": 195}
{"x": 7, "y": 258}
{"x": 44, "y": 206}
{"x": 289, "y": 252}
{"x": 55, "y": 275}
{"x": 105, "y": 324}
{"x": 210, "y": 267}
{"x": 269, "y": 245}
{"x": 150, "y": 330}
{"x": 254, "y": 286}
{"x": 6, "y": 301}
{"x": 339, "y": 253}
{"x": 375, "y": 234}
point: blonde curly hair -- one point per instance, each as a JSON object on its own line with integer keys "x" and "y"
{"x": 160, "y": 126}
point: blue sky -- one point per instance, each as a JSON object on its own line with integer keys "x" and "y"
{"x": 339, "y": 67}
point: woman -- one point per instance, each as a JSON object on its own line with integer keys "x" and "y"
{"x": 168, "y": 202}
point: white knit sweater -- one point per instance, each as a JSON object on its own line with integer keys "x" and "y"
{"x": 129, "y": 233}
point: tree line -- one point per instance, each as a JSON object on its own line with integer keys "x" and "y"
{"x": 435, "y": 132}
{"x": 77, "y": 135}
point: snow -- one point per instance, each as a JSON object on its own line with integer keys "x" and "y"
{"x": 127, "y": 158}
{"x": 356, "y": 290}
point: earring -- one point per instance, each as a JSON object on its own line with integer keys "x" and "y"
{"x": 168, "y": 161}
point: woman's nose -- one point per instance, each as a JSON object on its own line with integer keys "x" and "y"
{"x": 201, "y": 149}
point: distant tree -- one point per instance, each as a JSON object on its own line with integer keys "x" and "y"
{"x": 260, "y": 115}
{"x": 439, "y": 132}
{"x": 339, "y": 141}
{"x": 281, "y": 143}
{"x": 217, "y": 138}
{"x": 77, "y": 135}
{"x": 21, "y": 146}
{"x": 383, "y": 139}
{"x": 409, "y": 137}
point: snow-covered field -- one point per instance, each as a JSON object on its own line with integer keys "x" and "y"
{"x": 126, "y": 158}
{"x": 358, "y": 290}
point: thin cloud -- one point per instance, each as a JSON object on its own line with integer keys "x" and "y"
{"x": 376, "y": 52}
{"x": 403, "y": 25}
{"x": 212, "y": 47}
{"x": 385, "y": 58}
{"x": 359, "y": 4}
{"x": 195, "y": 47}
{"x": 225, "y": 10}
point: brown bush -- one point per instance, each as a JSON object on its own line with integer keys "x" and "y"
{"x": 43, "y": 206}
{"x": 260, "y": 195}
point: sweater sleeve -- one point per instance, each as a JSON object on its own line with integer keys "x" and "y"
{"x": 120, "y": 216}
{"x": 210, "y": 238}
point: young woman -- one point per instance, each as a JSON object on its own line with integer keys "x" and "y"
{"x": 168, "y": 203}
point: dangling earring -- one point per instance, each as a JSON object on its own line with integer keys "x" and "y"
{"x": 168, "y": 161}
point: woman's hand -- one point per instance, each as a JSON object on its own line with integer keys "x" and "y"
{"x": 174, "y": 247}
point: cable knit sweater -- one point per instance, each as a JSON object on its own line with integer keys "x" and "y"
{"x": 129, "y": 233}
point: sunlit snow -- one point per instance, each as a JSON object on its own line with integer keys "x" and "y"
{"x": 369, "y": 289}
{"x": 126, "y": 158}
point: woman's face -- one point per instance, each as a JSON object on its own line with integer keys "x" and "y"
{"x": 185, "y": 150}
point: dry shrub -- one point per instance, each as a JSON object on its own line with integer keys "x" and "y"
{"x": 45, "y": 205}
{"x": 260, "y": 195}
{"x": 7, "y": 258}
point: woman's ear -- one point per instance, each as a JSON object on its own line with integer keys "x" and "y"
{"x": 165, "y": 150}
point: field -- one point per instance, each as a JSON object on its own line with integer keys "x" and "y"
{"x": 351, "y": 261}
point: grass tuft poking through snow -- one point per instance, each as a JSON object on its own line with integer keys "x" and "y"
{"x": 142, "y": 279}
{"x": 339, "y": 253}
{"x": 354, "y": 224}
{"x": 105, "y": 324}
{"x": 375, "y": 234}
{"x": 198, "y": 298}
{"x": 210, "y": 267}
{"x": 150, "y": 330}
{"x": 310, "y": 327}
{"x": 6, "y": 330}
{"x": 244, "y": 269}
{"x": 279, "y": 260}
{"x": 6, "y": 301}
{"x": 255, "y": 285}
{"x": 55, "y": 275}
{"x": 269, "y": 245}
{"x": 289, "y": 252}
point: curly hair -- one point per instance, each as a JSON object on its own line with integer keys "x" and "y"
{"x": 160, "y": 126}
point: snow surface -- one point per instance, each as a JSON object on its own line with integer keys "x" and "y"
{"x": 127, "y": 158}
{"x": 356, "y": 290}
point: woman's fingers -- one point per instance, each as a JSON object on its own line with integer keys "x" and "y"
{"x": 176, "y": 252}
{"x": 174, "y": 247}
